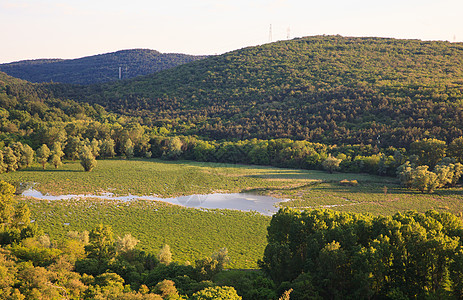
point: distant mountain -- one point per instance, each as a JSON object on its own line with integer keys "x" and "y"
{"x": 328, "y": 89}
{"x": 97, "y": 68}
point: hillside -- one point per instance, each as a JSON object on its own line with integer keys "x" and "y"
{"x": 328, "y": 89}
{"x": 97, "y": 68}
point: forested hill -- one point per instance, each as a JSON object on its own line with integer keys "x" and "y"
{"x": 97, "y": 68}
{"x": 328, "y": 89}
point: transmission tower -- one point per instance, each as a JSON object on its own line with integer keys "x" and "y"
{"x": 288, "y": 33}
{"x": 270, "y": 34}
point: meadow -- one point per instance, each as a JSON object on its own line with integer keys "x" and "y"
{"x": 195, "y": 233}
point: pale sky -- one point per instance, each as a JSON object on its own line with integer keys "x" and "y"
{"x": 75, "y": 28}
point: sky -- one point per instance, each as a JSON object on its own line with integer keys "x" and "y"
{"x": 67, "y": 29}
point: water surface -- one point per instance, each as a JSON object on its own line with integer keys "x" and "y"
{"x": 266, "y": 205}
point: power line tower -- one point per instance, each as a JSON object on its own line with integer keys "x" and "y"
{"x": 120, "y": 73}
{"x": 270, "y": 34}
{"x": 288, "y": 33}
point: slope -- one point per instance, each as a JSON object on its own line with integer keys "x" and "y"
{"x": 97, "y": 68}
{"x": 328, "y": 89}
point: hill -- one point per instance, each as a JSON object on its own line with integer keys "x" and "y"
{"x": 97, "y": 68}
{"x": 328, "y": 89}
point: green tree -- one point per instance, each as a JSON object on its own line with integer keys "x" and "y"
{"x": 6, "y": 202}
{"x": 87, "y": 160}
{"x": 107, "y": 148}
{"x": 455, "y": 149}
{"x": 429, "y": 151}
{"x": 2, "y": 164}
{"x": 43, "y": 153}
{"x": 18, "y": 150}
{"x": 331, "y": 163}
{"x": 10, "y": 160}
{"x": 127, "y": 148}
{"x": 95, "y": 147}
{"x": 72, "y": 148}
{"x": 27, "y": 157}
{"x": 174, "y": 148}
{"x": 101, "y": 244}
{"x": 166, "y": 289}
{"x": 424, "y": 180}
{"x": 56, "y": 154}
{"x": 216, "y": 293}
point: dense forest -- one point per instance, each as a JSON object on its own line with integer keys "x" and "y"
{"x": 327, "y": 89}
{"x": 332, "y": 255}
{"x": 97, "y": 68}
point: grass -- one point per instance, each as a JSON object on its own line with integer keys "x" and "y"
{"x": 374, "y": 197}
{"x": 192, "y": 233}
{"x": 153, "y": 177}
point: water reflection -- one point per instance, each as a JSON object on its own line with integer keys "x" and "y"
{"x": 239, "y": 201}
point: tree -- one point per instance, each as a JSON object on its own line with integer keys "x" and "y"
{"x": 107, "y": 148}
{"x": 222, "y": 258}
{"x": 127, "y": 148}
{"x": 18, "y": 150}
{"x": 424, "y": 180}
{"x": 101, "y": 243}
{"x": 126, "y": 243}
{"x": 43, "y": 153}
{"x": 87, "y": 160}
{"x": 6, "y": 202}
{"x": 216, "y": 293}
{"x": 56, "y": 154}
{"x": 10, "y": 160}
{"x": 165, "y": 256}
{"x": 174, "y": 148}
{"x": 166, "y": 289}
{"x": 331, "y": 163}
{"x": 27, "y": 157}
{"x": 72, "y": 148}
{"x": 429, "y": 151}
{"x": 455, "y": 149}
{"x": 95, "y": 147}
{"x": 2, "y": 164}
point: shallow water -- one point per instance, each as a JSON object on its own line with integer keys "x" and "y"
{"x": 239, "y": 201}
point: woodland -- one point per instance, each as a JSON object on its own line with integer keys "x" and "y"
{"x": 97, "y": 68}
{"x": 385, "y": 107}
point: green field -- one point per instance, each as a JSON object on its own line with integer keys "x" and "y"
{"x": 156, "y": 177}
{"x": 193, "y": 233}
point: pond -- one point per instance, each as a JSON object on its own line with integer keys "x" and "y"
{"x": 266, "y": 205}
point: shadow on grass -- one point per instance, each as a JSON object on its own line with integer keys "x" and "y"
{"x": 270, "y": 189}
{"x": 36, "y": 169}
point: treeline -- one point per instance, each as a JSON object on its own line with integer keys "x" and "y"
{"x": 325, "y": 89}
{"x": 99, "y": 265}
{"x": 96, "y": 68}
{"x": 427, "y": 165}
{"x": 31, "y": 116}
{"x": 323, "y": 254}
